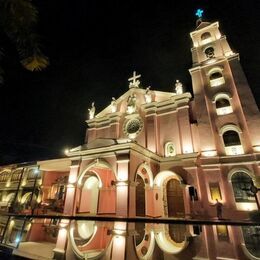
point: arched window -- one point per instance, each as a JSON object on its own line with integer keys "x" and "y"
{"x": 223, "y": 105}
{"x": 241, "y": 184}
{"x": 231, "y": 139}
{"x": 206, "y": 38}
{"x": 4, "y": 176}
{"x": 215, "y": 75}
{"x": 216, "y": 78}
{"x": 16, "y": 175}
{"x": 222, "y": 102}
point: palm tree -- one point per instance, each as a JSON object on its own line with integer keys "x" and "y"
{"x": 17, "y": 21}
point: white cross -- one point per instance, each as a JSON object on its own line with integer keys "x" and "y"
{"x": 133, "y": 81}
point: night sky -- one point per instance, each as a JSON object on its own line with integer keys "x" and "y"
{"x": 93, "y": 49}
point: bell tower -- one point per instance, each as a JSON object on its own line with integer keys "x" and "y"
{"x": 227, "y": 115}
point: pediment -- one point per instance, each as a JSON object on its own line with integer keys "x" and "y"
{"x": 121, "y": 102}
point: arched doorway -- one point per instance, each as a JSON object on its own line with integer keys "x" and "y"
{"x": 140, "y": 196}
{"x": 171, "y": 240}
{"x": 170, "y": 198}
{"x": 175, "y": 201}
{"x": 91, "y": 240}
{"x": 177, "y": 232}
{"x": 89, "y": 195}
{"x": 251, "y": 236}
{"x": 144, "y": 241}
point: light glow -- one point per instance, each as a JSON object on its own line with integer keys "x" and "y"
{"x": 86, "y": 229}
{"x": 257, "y": 148}
{"x": 234, "y": 150}
{"x": 229, "y": 53}
{"x": 130, "y": 110}
{"x": 119, "y": 241}
{"x": 208, "y": 40}
{"x": 187, "y": 149}
{"x": 162, "y": 176}
{"x": 210, "y": 61}
{"x": 36, "y": 171}
{"x": 121, "y": 183}
{"x": 209, "y": 153}
{"x": 63, "y": 233}
{"x": 119, "y": 232}
{"x": 246, "y": 206}
{"x": 218, "y": 36}
{"x": 72, "y": 178}
{"x": 25, "y": 197}
{"x": 91, "y": 182}
{"x": 122, "y": 174}
{"x": 64, "y": 223}
{"x": 217, "y": 82}
{"x": 224, "y": 110}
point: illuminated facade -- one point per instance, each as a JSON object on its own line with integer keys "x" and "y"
{"x": 154, "y": 154}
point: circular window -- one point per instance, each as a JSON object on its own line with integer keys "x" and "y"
{"x": 133, "y": 127}
{"x": 210, "y": 52}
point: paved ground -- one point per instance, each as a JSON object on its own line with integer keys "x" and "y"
{"x": 34, "y": 250}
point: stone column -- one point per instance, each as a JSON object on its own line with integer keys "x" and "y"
{"x": 70, "y": 201}
{"x": 122, "y": 185}
{"x": 60, "y": 248}
{"x": 119, "y": 241}
{"x": 151, "y": 132}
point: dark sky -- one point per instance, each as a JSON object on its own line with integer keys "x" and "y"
{"x": 93, "y": 48}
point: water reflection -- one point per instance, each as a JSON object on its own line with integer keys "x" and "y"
{"x": 84, "y": 239}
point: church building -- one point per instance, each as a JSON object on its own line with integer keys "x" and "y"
{"x": 154, "y": 154}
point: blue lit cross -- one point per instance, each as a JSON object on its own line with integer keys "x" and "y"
{"x": 199, "y": 13}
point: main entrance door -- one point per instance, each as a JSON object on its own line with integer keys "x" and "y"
{"x": 175, "y": 201}
{"x": 140, "y": 197}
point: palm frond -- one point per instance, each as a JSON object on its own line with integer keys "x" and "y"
{"x": 18, "y": 19}
{"x": 1, "y": 70}
{"x": 18, "y": 15}
{"x": 35, "y": 62}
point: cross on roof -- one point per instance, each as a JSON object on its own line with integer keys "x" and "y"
{"x": 133, "y": 82}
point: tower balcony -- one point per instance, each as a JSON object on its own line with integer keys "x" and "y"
{"x": 217, "y": 81}
{"x": 234, "y": 150}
